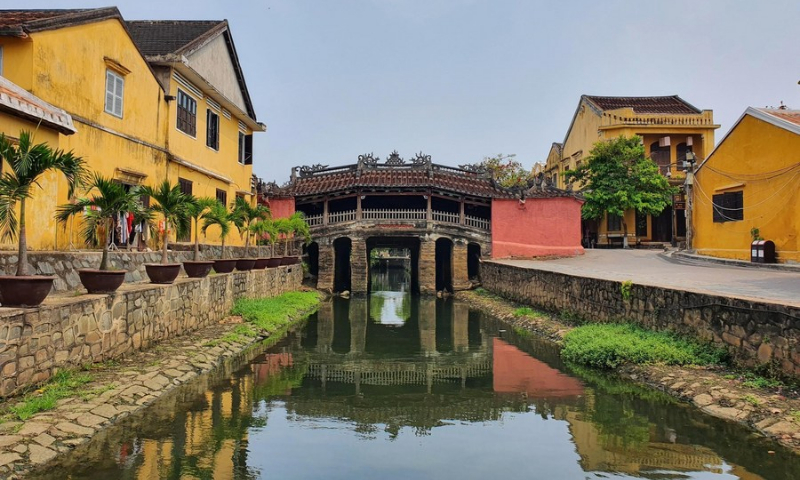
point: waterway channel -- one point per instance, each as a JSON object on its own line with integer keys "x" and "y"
{"x": 395, "y": 386}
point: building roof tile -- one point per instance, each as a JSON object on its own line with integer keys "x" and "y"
{"x": 22, "y": 22}
{"x": 21, "y": 103}
{"x": 791, "y": 116}
{"x": 163, "y": 37}
{"x": 672, "y": 104}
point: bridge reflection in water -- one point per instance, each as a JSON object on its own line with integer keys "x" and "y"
{"x": 440, "y": 391}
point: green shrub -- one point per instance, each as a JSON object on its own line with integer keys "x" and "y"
{"x": 611, "y": 345}
{"x": 625, "y": 288}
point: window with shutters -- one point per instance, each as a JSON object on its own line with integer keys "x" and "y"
{"x": 222, "y": 196}
{"x": 212, "y": 129}
{"x": 115, "y": 85}
{"x": 245, "y": 149}
{"x": 614, "y": 222}
{"x": 187, "y": 114}
{"x": 728, "y": 207}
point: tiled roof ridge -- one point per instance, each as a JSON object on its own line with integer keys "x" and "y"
{"x": 26, "y": 105}
{"x": 645, "y": 104}
{"x": 60, "y": 18}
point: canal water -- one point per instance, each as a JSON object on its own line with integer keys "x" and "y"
{"x": 395, "y": 386}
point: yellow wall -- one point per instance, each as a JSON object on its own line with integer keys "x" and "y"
{"x": 41, "y": 228}
{"x": 67, "y": 68}
{"x": 590, "y": 127}
{"x": 752, "y": 150}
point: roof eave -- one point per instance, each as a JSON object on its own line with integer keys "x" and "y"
{"x": 181, "y": 64}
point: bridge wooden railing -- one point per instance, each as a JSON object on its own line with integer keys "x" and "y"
{"x": 399, "y": 215}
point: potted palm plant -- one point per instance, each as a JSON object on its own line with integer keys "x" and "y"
{"x": 196, "y": 268}
{"x": 269, "y": 229}
{"x": 27, "y": 163}
{"x": 284, "y": 228}
{"x": 173, "y": 206}
{"x": 259, "y": 230}
{"x": 219, "y": 216}
{"x": 108, "y": 200}
{"x": 244, "y": 215}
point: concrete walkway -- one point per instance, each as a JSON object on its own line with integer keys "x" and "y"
{"x": 647, "y": 267}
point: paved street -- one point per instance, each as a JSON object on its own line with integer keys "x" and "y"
{"x": 648, "y": 267}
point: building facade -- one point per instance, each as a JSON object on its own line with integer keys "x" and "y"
{"x": 669, "y": 127}
{"x": 139, "y": 118}
{"x": 750, "y": 181}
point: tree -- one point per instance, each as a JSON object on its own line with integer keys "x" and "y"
{"x": 28, "y": 162}
{"x": 198, "y": 206}
{"x": 108, "y": 200}
{"x": 243, "y": 216}
{"x": 506, "y": 171}
{"x": 299, "y": 226}
{"x": 618, "y": 177}
{"x": 174, "y": 207}
{"x": 218, "y": 215}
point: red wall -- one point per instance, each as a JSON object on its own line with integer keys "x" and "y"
{"x": 281, "y": 207}
{"x": 539, "y": 227}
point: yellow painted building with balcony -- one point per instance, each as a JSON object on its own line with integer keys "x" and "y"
{"x": 126, "y": 104}
{"x": 669, "y": 127}
{"x": 751, "y": 181}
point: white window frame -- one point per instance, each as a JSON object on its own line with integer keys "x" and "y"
{"x": 115, "y": 93}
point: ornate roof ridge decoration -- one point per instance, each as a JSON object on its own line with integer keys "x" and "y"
{"x": 307, "y": 171}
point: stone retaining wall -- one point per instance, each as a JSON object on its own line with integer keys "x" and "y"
{"x": 64, "y": 265}
{"x": 754, "y": 331}
{"x": 72, "y": 331}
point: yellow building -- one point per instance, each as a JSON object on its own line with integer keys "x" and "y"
{"x": 751, "y": 181}
{"x": 22, "y": 111}
{"x": 669, "y": 127}
{"x": 127, "y": 106}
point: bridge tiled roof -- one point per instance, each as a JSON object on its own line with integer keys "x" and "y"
{"x": 351, "y": 177}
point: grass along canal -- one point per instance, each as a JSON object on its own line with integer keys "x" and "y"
{"x": 394, "y": 387}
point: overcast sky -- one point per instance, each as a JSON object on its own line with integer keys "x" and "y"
{"x": 463, "y": 79}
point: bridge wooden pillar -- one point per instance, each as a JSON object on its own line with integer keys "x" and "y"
{"x": 359, "y": 266}
{"x": 460, "y": 269}
{"x": 461, "y": 215}
{"x": 325, "y": 211}
{"x": 426, "y": 266}
{"x": 327, "y": 265}
{"x": 358, "y": 206}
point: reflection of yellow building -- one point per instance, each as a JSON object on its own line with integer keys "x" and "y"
{"x": 669, "y": 127}
{"x": 751, "y": 181}
{"x": 127, "y": 103}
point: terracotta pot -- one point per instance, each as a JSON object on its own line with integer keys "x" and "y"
{"x": 224, "y": 266}
{"x": 27, "y": 291}
{"x": 287, "y": 261}
{"x": 101, "y": 281}
{"x": 245, "y": 264}
{"x": 274, "y": 262}
{"x": 261, "y": 263}
{"x": 162, "y": 273}
{"x": 197, "y": 269}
